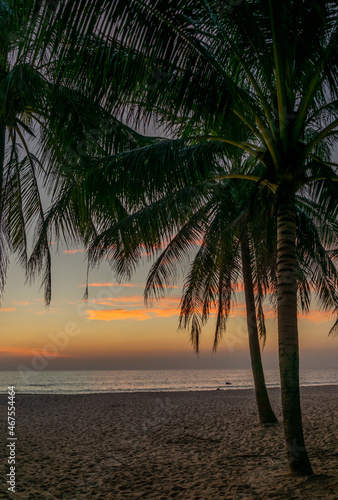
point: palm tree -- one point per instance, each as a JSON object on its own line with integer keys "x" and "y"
{"x": 226, "y": 255}
{"x": 271, "y": 64}
{"x": 224, "y": 258}
{"x": 219, "y": 216}
{"x": 48, "y": 130}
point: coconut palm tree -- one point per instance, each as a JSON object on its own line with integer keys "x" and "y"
{"x": 128, "y": 227}
{"x": 227, "y": 256}
{"x": 220, "y": 216}
{"x": 47, "y": 127}
{"x": 271, "y": 64}
{"x": 223, "y": 259}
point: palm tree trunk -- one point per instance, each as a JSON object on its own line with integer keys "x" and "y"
{"x": 288, "y": 335}
{"x": 265, "y": 412}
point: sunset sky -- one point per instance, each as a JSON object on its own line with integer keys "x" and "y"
{"x": 114, "y": 329}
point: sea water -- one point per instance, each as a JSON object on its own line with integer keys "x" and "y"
{"x": 95, "y": 381}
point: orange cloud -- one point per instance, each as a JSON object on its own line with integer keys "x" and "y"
{"x": 7, "y": 309}
{"x": 118, "y": 314}
{"x": 71, "y": 252}
{"x": 19, "y": 303}
{"x": 316, "y": 316}
{"x": 165, "y": 312}
{"x": 132, "y": 299}
{"x": 162, "y": 309}
{"x": 136, "y": 299}
{"x": 169, "y": 307}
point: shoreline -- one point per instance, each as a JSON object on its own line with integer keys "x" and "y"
{"x": 187, "y": 445}
{"x": 155, "y": 391}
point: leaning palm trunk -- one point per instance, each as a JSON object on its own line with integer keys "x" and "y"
{"x": 288, "y": 335}
{"x": 265, "y": 412}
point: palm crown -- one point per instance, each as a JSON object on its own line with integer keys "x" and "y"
{"x": 49, "y": 129}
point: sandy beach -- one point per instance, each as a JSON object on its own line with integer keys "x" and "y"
{"x": 182, "y": 445}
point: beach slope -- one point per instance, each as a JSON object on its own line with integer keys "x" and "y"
{"x": 182, "y": 445}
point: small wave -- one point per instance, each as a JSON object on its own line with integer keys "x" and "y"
{"x": 41, "y": 385}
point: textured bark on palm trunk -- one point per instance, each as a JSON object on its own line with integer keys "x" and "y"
{"x": 288, "y": 335}
{"x": 265, "y": 412}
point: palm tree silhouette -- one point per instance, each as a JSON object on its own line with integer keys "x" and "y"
{"x": 49, "y": 128}
{"x": 272, "y": 65}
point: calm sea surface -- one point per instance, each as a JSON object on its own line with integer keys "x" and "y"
{"x": 82, "y": 382}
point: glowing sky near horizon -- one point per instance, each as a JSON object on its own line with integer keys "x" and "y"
{"x": 114, "y": 329}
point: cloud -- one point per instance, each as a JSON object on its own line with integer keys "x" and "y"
{"x": 118, "y": 314}
{"x": 135, "y": 314}
{"x": 120, "y": 285}
{"x": 133, "y": 308}
{"x": 165, "y": 312}
{"x": 127, "y": 285}
{"x": 109, "y": 301}
{"x": 20, "y": 303}
{"x": 314, "y": 316}
{"x": 317, "y": 316}
{"x": 7, "y": 309}
{"x": 72, "y": 252}
{"x": 164, "y": 308}
{"x": 132, "y": 299}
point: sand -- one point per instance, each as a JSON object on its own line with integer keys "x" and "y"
{"x": 182, "y": 445}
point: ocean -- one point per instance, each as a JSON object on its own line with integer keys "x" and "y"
{"x": 87, "y": 382}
